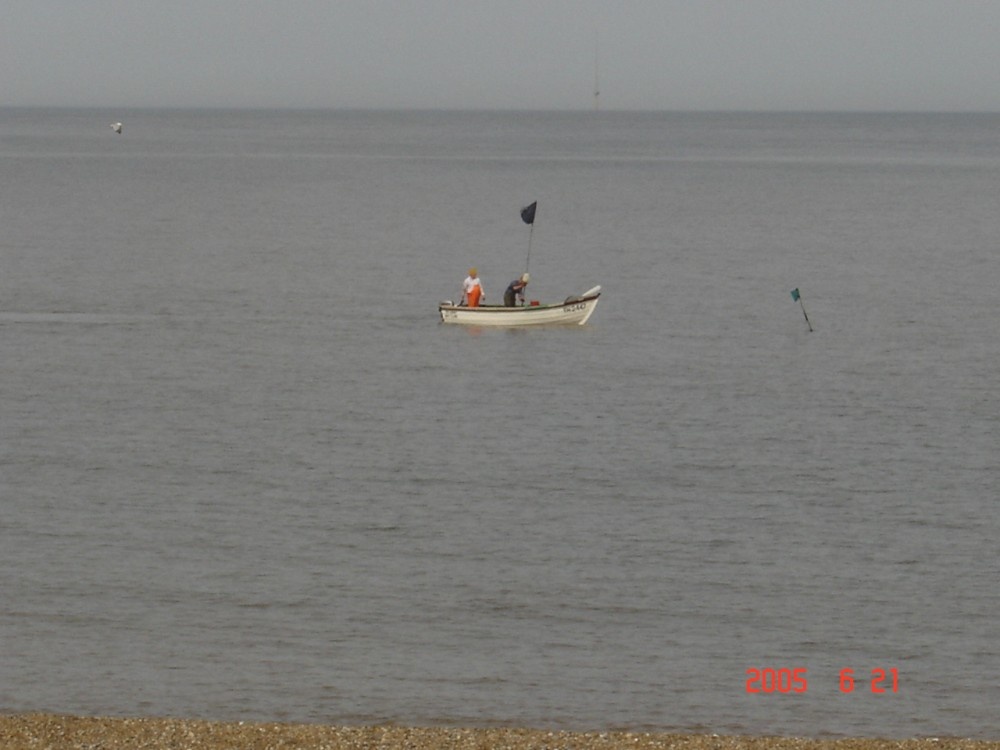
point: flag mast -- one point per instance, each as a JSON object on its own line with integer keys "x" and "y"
{"x": 597, "y": 88}
{"x": 528, "y": 217}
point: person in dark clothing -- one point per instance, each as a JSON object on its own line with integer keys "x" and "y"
{"x": 516, "y": 289}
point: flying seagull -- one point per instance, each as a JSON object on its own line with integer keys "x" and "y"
{"x": 117, "y": 127}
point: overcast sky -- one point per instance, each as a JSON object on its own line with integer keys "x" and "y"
{"x": 503, "y": 54}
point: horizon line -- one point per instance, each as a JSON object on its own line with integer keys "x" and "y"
{"x": 491, "y": 110}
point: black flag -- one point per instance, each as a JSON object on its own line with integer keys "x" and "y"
{"x": 528, "y": 213}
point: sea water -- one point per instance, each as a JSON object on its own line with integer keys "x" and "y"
{"x": 246, "y": 474}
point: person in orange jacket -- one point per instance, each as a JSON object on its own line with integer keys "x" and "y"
{"x": 472, "y": 289}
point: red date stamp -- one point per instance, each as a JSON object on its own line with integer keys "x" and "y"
{"x": 796, "y": 680}
{"x": 783, "y": 680}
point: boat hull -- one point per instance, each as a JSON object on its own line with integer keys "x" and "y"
{"x": 574, "y": 311}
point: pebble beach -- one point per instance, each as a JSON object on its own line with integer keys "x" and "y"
{"x": 57, "y": 732}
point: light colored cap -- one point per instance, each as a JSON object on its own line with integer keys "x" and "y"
{"x": 472, "y": 272}
{"x": 525, "y": 277}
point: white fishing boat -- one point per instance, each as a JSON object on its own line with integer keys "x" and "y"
{"x": 575, "y": 310}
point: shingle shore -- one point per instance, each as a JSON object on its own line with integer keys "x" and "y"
{"x": 55, "y": 732}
